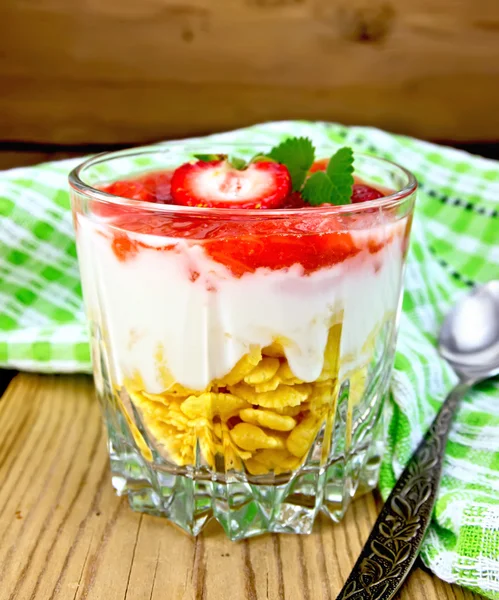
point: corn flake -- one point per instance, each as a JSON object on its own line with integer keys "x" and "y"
{"x": 321, "y": 397}
{"x": 284, "y": 395}
{"x": 302, "y": 436}
{"x": 263, "y": 372}
{"x": 268, "y": 419}
{"x": 268, "y": 386}
{"x": 231, "y": 453}
{"x": 211, "y": 404}
{"x": 242, "y": 368}
{"x": 251, "y": 437}
{"x": 276, "y": 349}
{"x": 256, "y": 468}
{"x": 286, "y": 375}
{"x": 278, "y": 461}
{"x": 206, "y": 445}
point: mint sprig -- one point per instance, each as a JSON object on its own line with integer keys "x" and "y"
{"x": 334, "y": 186}
{"x": 298, "y": 155}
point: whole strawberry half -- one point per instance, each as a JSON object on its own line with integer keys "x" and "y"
{"x": 217, "y": 184}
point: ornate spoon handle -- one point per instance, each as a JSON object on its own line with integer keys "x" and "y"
{"x": 395, "y": 540}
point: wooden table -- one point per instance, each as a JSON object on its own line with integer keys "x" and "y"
{"x": 64, "y": 534}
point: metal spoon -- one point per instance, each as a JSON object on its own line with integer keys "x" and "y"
{"x": 469, "y": 341}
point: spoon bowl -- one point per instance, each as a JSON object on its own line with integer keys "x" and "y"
{"x": 469, "y": 338}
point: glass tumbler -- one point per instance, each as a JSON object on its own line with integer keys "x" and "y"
{"x": 241, "y": 357}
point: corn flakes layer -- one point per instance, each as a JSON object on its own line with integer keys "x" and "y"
{"x": 259, "y": 417}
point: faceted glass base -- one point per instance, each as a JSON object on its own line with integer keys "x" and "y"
{"x": 248, "y": 505}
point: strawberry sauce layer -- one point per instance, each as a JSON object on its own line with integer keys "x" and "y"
{"x": 244, "y": 245}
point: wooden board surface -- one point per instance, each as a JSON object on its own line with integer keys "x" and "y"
{"x": 108, "y": 71}
{"x": 64, "y": 534}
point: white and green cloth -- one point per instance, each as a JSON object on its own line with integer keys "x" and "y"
{"x": 455, "y": 243}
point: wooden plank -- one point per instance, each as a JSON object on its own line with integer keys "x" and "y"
{"x": 65, "y": 535}
{"x": 107, "y": 71}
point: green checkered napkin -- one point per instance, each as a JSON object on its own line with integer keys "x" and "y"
{"x": 455, "y": 242}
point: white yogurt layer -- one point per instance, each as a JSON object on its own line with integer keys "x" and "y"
{"x": 204, "y": 327}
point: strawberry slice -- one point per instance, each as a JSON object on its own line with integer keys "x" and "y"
{"x": 364, "y": 193}
{"x": 217, "y": 184}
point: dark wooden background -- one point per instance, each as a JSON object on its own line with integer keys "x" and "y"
{"x": 133, "y": 71}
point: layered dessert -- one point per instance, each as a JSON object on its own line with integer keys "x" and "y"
{"x": 234, "y": 299}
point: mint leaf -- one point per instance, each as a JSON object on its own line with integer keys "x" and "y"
{"x": 297, "y": 154}
{"x": 340, "y": 173}
{"x": 318, "y": 189}
{"x": 209, "y": 157}
{"x": 334, "y": 186}
{"x": 237, "y": 163}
